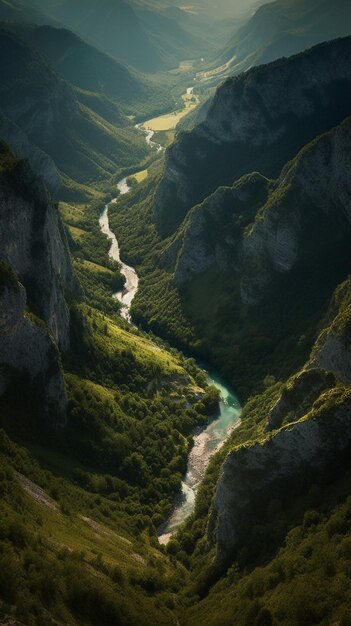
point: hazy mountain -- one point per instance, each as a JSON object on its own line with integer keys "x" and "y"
{"x": 22, "y": 11}
{"x": 283, "y": 28}
{"x": 114, "y": 27}
{"x": 44, "y": 106}
{"x": 220, "y": 10}
{"x": 179, "y": 35}
{"x": 93, "y": 71}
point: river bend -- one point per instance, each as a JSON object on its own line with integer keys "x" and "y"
{"x": 208, "y": 441}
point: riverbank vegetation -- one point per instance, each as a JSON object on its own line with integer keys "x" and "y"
{"x": 68, "y": 556}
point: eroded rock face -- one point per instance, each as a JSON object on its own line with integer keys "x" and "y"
{"x": 257, "y": 122}
{"x": 213, "y": 229}
{"x": 33, "y": 243}
{"x": 253, "y": 475}
{"x": 309, "y": 212}
{"x": 335, "y": 354}
{"x": 36, "y": 277}
{"x": 26, "y": 348}
{"x": 40, "y": 162}
{"x": 305, "y": 221}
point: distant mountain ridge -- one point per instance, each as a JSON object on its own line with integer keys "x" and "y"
{"x": 22, "y": 11}
{"x": 283, "y": 28}
{"x": 90, "y": 69}
{"x": 87, "y": 135}
{"x": 149, "y": 41}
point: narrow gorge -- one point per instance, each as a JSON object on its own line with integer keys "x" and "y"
{"x": 209, "y": 440}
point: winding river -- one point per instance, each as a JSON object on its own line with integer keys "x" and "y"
{"x": 125, "y": 295}
{"x": 148, "y": 137}
{"x": 206, "y": 443}
{"x": 209, "y": 440}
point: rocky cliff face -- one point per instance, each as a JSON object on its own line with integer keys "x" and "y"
{"x": 332, "y": 350}
{"x": 307, "y": 216}
{"x": 305, "y": 222}
{"x": 287, "y": 461}
{"x": 299, "y": 395}
{"x": 213, "y": 230}
{"x": 27, "y": 349}
{"x": 251, "y": 127}
{"x": 309, "y": 430}
{"x": 33, "y": 243}
{"x": 262, "y": 231}
{"x": 40, "y": 162}
{"x": 35, "y": 272}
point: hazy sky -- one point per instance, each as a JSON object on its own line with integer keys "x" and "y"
{"x": 219, "y": 8}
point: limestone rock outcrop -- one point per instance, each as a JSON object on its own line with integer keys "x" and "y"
{"x": 257, "y": 122}
{"x": 36, "y": 284}
{"x": 285, "y": 462}
{"x": 29, "y": 353}
{"x": 33, "y": 243}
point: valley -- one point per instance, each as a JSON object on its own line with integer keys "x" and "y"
{"x": 170, "y": 121}
{"x": 175, "y": 313}
{"x": 209, "y": 440}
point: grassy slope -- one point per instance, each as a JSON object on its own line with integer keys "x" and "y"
{"x": 59, "y": 564}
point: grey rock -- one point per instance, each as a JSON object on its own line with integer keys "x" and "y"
{"x": 33, "y": 243}
{"x": 28, "y": 348}
{"x": 261, "y": 471}
{"x": 312, "y": 190}
{"x": 41, "y": 162}
{"x": 257, "y": 122}
{"x": 298, "y": 396}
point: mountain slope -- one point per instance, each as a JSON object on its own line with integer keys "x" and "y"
{"x": 34, "y": 251}
{"x": 113, "y": 27}
{"x": 148, "y": 36}
{"x": 279, "y": 517}
{"x": 249, "y": 126}
{"x": 305, "y": 224}
{"x": 283, "y": 28}
{"x": 84, "y": 146}
{"x": 99, "y": 485}
{"x": 89, "y": 69}
{"x": 22, "y": 11}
